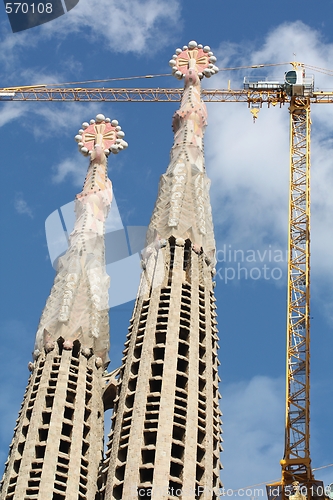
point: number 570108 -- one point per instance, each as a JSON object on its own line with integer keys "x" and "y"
{"x": 24, "y": 8}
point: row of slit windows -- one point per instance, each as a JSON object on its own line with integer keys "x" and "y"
{"x": 66, "y": 433}
{"x": 62, "y": 469}
{"x": 151, "y": 421}
{"x": 148, "y": 452}
{"x": 153, "y": 398}
{"x": 129, "y": 401}
{"x": 20, "y": 448}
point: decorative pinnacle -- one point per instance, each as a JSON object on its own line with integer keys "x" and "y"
{"x": 194, "y": 56}
{"x": 101, "y": 132}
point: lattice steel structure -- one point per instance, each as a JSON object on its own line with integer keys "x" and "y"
{"x": 296, "y": 465}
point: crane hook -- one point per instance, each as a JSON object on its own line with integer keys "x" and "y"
{"x": 254, "y": 110}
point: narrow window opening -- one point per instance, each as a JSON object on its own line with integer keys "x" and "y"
{"x": 76, "y": 349}
{"x": 70, "y": 396}
{"x": 177, "y": 451}
{"x": 64, "y": 446}
{"x": 150, "y": 438}
{"x": 43, "y": 433}
{"x": 60, "y": 343}
{"x": 20, "y": 448}
{"x": 176, "y": 470}
{"x": 68, "y": 413}
{"x": 182, "y": 365}
{"x": 40, "y": 451}
{"x": 146, "y": 475}
{"x": 17, "y": 464}
{"x": 66, "y": 430}
{"x": 148, "y": 456}
{"x": 181, "y": 381}
{"x": 155, "y": 385}
{"x": 120, "y": 472}
{"x": 49, "y": 401}
{"x": 118, "y": 492}
{"x": 159, "y": 353}
{"x": 183, "y": 349}
{"x": 135, "y": 368}
{"x": 157, "y": 369}
{"x": 122, "y": 454}
{"x": 85, "y": 447}
{"x": 132, "y": 384}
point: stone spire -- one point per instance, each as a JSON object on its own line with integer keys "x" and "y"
{"x": 77, "y": 308}
{"x": 165, "y": 438}
{"x": 183, "y": 206}
{"x": 58, "y": 440}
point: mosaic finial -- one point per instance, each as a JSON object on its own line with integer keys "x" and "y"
{"x": 101, "y": 133}
{"x": 193, "y": 56}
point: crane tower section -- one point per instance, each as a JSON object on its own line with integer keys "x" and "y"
{"x": 296, "y": 464}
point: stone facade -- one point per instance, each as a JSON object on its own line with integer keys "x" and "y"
{"x": 58, "y": 442}
{"x": 165, "y": 436}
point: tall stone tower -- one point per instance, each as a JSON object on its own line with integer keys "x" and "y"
{"x": 165, "y": 436}
{"x": 58, "y": 441}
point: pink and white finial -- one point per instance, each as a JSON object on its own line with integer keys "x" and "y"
{"x": 101, "y": 133}
{"x": 193, "y": 56}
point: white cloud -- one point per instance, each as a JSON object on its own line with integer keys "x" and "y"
{"x": 58, "y": 118}
{"x": 253, "y": 427}
{"x": 11, "y": 111}
{"x": 249, "y": 164}
{"x": 12, "y": 44}
{"x": 75, "y": 168}
{"x": 130, "y": 26}
{"x": 21, "y": 206}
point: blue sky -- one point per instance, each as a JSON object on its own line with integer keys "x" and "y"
{"x": 248, "y": 164}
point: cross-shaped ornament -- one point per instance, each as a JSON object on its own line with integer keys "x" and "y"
{"x": 102, "y": 132}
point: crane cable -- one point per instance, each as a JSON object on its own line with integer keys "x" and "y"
{"x": 324, "y": 71}
{"x": 252, "y": 66}
{"x": 328, "y": 72}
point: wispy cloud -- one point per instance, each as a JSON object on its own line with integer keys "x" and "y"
{"x": 11, "y": 111}
{"x": 57, "y": 118}
{"x": 74, "y": 168}
{"x": 21, "y": 206}
{"x": 253, "y": 426}
{"x": 130, "y": 26}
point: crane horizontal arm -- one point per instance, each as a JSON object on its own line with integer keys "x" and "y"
{"x": 137, "y": 95}
{"x": 44, "y": 93}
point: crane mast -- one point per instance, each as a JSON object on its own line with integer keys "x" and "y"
{"x": 296, "y": 464}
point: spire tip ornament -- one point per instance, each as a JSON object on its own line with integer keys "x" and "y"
{"x": 101, "y": 133}
{"x": 193, "y": 56}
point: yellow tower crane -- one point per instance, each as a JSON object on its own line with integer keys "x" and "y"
{"x": 297, "y": 90}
